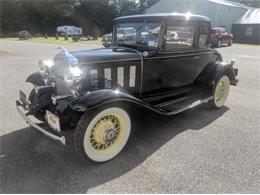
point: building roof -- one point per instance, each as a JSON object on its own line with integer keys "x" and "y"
{"x": 252, "y": 16}
{"x": 172, "y": 16}
{"x": 230, "y": 3}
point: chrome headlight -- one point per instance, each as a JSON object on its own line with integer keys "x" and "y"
{"x": 72, "y": 74}
{"x": 45, "y": 65}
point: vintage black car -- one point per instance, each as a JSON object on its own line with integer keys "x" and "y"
{"x": 92, "y": 90}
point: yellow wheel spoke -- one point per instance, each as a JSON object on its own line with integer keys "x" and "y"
{"x": 107, "y": 132}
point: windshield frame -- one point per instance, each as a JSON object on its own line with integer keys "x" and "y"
{"x": 137, "y": 46}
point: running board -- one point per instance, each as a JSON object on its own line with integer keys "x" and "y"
{"x": 197, "y": 103}
{"x": 175, "y": 107}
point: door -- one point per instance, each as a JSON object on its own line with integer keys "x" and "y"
{"x": 206, "y": 55}
{"x": 174, "y": 69}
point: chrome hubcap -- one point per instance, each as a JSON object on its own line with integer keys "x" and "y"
{"x": 221, "y": 91}
{"x": 109, "y": 135}
{"x": 106, "y": 132}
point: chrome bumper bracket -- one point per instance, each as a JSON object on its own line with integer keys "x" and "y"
{"x": 30, "y": 122}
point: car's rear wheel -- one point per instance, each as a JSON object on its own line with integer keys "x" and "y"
{"x": 221, "y": 92}
{"x": 102, "y": 134}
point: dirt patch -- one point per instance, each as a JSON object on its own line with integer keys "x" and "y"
{"x": 3, "y": 52}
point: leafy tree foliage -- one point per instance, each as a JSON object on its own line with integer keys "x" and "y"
{"x": 252, "y": 3}
{"x": 43, "y": 16}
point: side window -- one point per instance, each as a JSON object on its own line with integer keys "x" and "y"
{"x": 179, "y": 36}
{"x": 204, "y": 36}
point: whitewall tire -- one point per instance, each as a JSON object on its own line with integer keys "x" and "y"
{"x": 221, "y": 92}
{"x": 101, "y": 135}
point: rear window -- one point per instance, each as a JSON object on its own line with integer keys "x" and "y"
{"x": 179, "y": 36}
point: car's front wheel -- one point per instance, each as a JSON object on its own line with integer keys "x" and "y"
{"x": 221, "y": 92}
{"x": 102, "y": 134}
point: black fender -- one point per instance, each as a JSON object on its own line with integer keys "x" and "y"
{"x": 221, "y": 68}
{"x": 212, "y": 72}
{"x": 40, "y": 96}
{"x": 35, "y": 79}
{"x": 100, "y": 97}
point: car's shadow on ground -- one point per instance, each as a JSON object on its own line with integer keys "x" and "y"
{"x": 32, "y": 164}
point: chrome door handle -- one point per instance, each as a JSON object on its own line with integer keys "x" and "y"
{"x": 196, "y": 57}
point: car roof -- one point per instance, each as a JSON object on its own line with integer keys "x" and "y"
{"x": 161, "y": 16}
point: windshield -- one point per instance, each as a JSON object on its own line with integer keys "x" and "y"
{"x": 138, "y": 34}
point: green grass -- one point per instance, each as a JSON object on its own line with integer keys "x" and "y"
{"x": 52, "y": 40}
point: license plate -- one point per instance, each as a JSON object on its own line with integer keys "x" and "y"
{"x": 53, "y": 121}
{"x": 23, "y": 98}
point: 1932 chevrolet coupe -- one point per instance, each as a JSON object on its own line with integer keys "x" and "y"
{"x": 92, "y": 90}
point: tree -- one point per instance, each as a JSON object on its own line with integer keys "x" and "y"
{"x": 251, "y": 3}
{"x": 43, "y": 16}
{"x": 145, "y": 4}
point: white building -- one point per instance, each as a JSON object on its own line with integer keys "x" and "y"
{"x": 222, "y": 13}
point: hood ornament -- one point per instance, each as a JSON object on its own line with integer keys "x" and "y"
{"x": 71, "y": 59}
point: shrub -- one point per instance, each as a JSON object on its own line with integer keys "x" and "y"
{"x": 75, "y": 38}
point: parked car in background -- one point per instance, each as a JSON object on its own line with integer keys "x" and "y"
{"x": 172, "y": 35}
{"x": 107, "y": 40}
{"x": 220, "y": 36}
{"x": 91, "y": 91}
{"x": 124, "y": 35}
{"x": 69, "y": 31}
{"x": 24, "y": 35}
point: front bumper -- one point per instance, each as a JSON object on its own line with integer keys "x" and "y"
{"x": 28, "y": 120}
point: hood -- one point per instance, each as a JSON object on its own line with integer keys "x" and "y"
{"x": 104, "y": 55}
{"x": 88, "y": 57}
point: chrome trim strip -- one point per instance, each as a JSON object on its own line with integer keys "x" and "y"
{"x": 177, "y": 56}
{"x": 132, "y": 76}
{"x": 29, "y": 121}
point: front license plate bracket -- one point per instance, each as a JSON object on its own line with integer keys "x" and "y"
{"x": 53, "y": 121}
